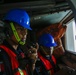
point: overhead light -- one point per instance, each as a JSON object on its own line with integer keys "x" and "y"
{"x": 37, "y": 18}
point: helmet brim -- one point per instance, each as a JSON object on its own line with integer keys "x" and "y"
{"x": 27, "y": 27}
{"x": 51, "y": 45}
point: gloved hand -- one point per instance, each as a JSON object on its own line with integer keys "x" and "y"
{"x": 32, "y": 54}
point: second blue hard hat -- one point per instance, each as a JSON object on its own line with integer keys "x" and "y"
{"x": 47, "y": 40}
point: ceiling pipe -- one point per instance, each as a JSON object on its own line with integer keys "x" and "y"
{"x": 4, "y": 7}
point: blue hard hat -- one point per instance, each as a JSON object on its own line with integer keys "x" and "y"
{"x": 19, "y": 16}
{"x": 47, "y": 40}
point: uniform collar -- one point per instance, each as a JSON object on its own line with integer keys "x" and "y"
{"x": 6, "y": 43}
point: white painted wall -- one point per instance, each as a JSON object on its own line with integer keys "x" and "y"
{"x": 70, "y": 42}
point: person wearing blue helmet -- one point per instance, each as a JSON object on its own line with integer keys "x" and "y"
{"x": 46, "y": 63}
{"x": 13, "y": 61}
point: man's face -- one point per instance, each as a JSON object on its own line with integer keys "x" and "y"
{"x": 22, "y": 33}
{"x": 47, "y": 51}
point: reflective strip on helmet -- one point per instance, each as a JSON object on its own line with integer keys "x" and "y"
{"x": 20, "y": 71}
{"x": 16, "y": 34}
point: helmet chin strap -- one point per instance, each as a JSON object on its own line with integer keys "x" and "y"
{"x": 16, "y": 34}
{"x": 43, "y": 50}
